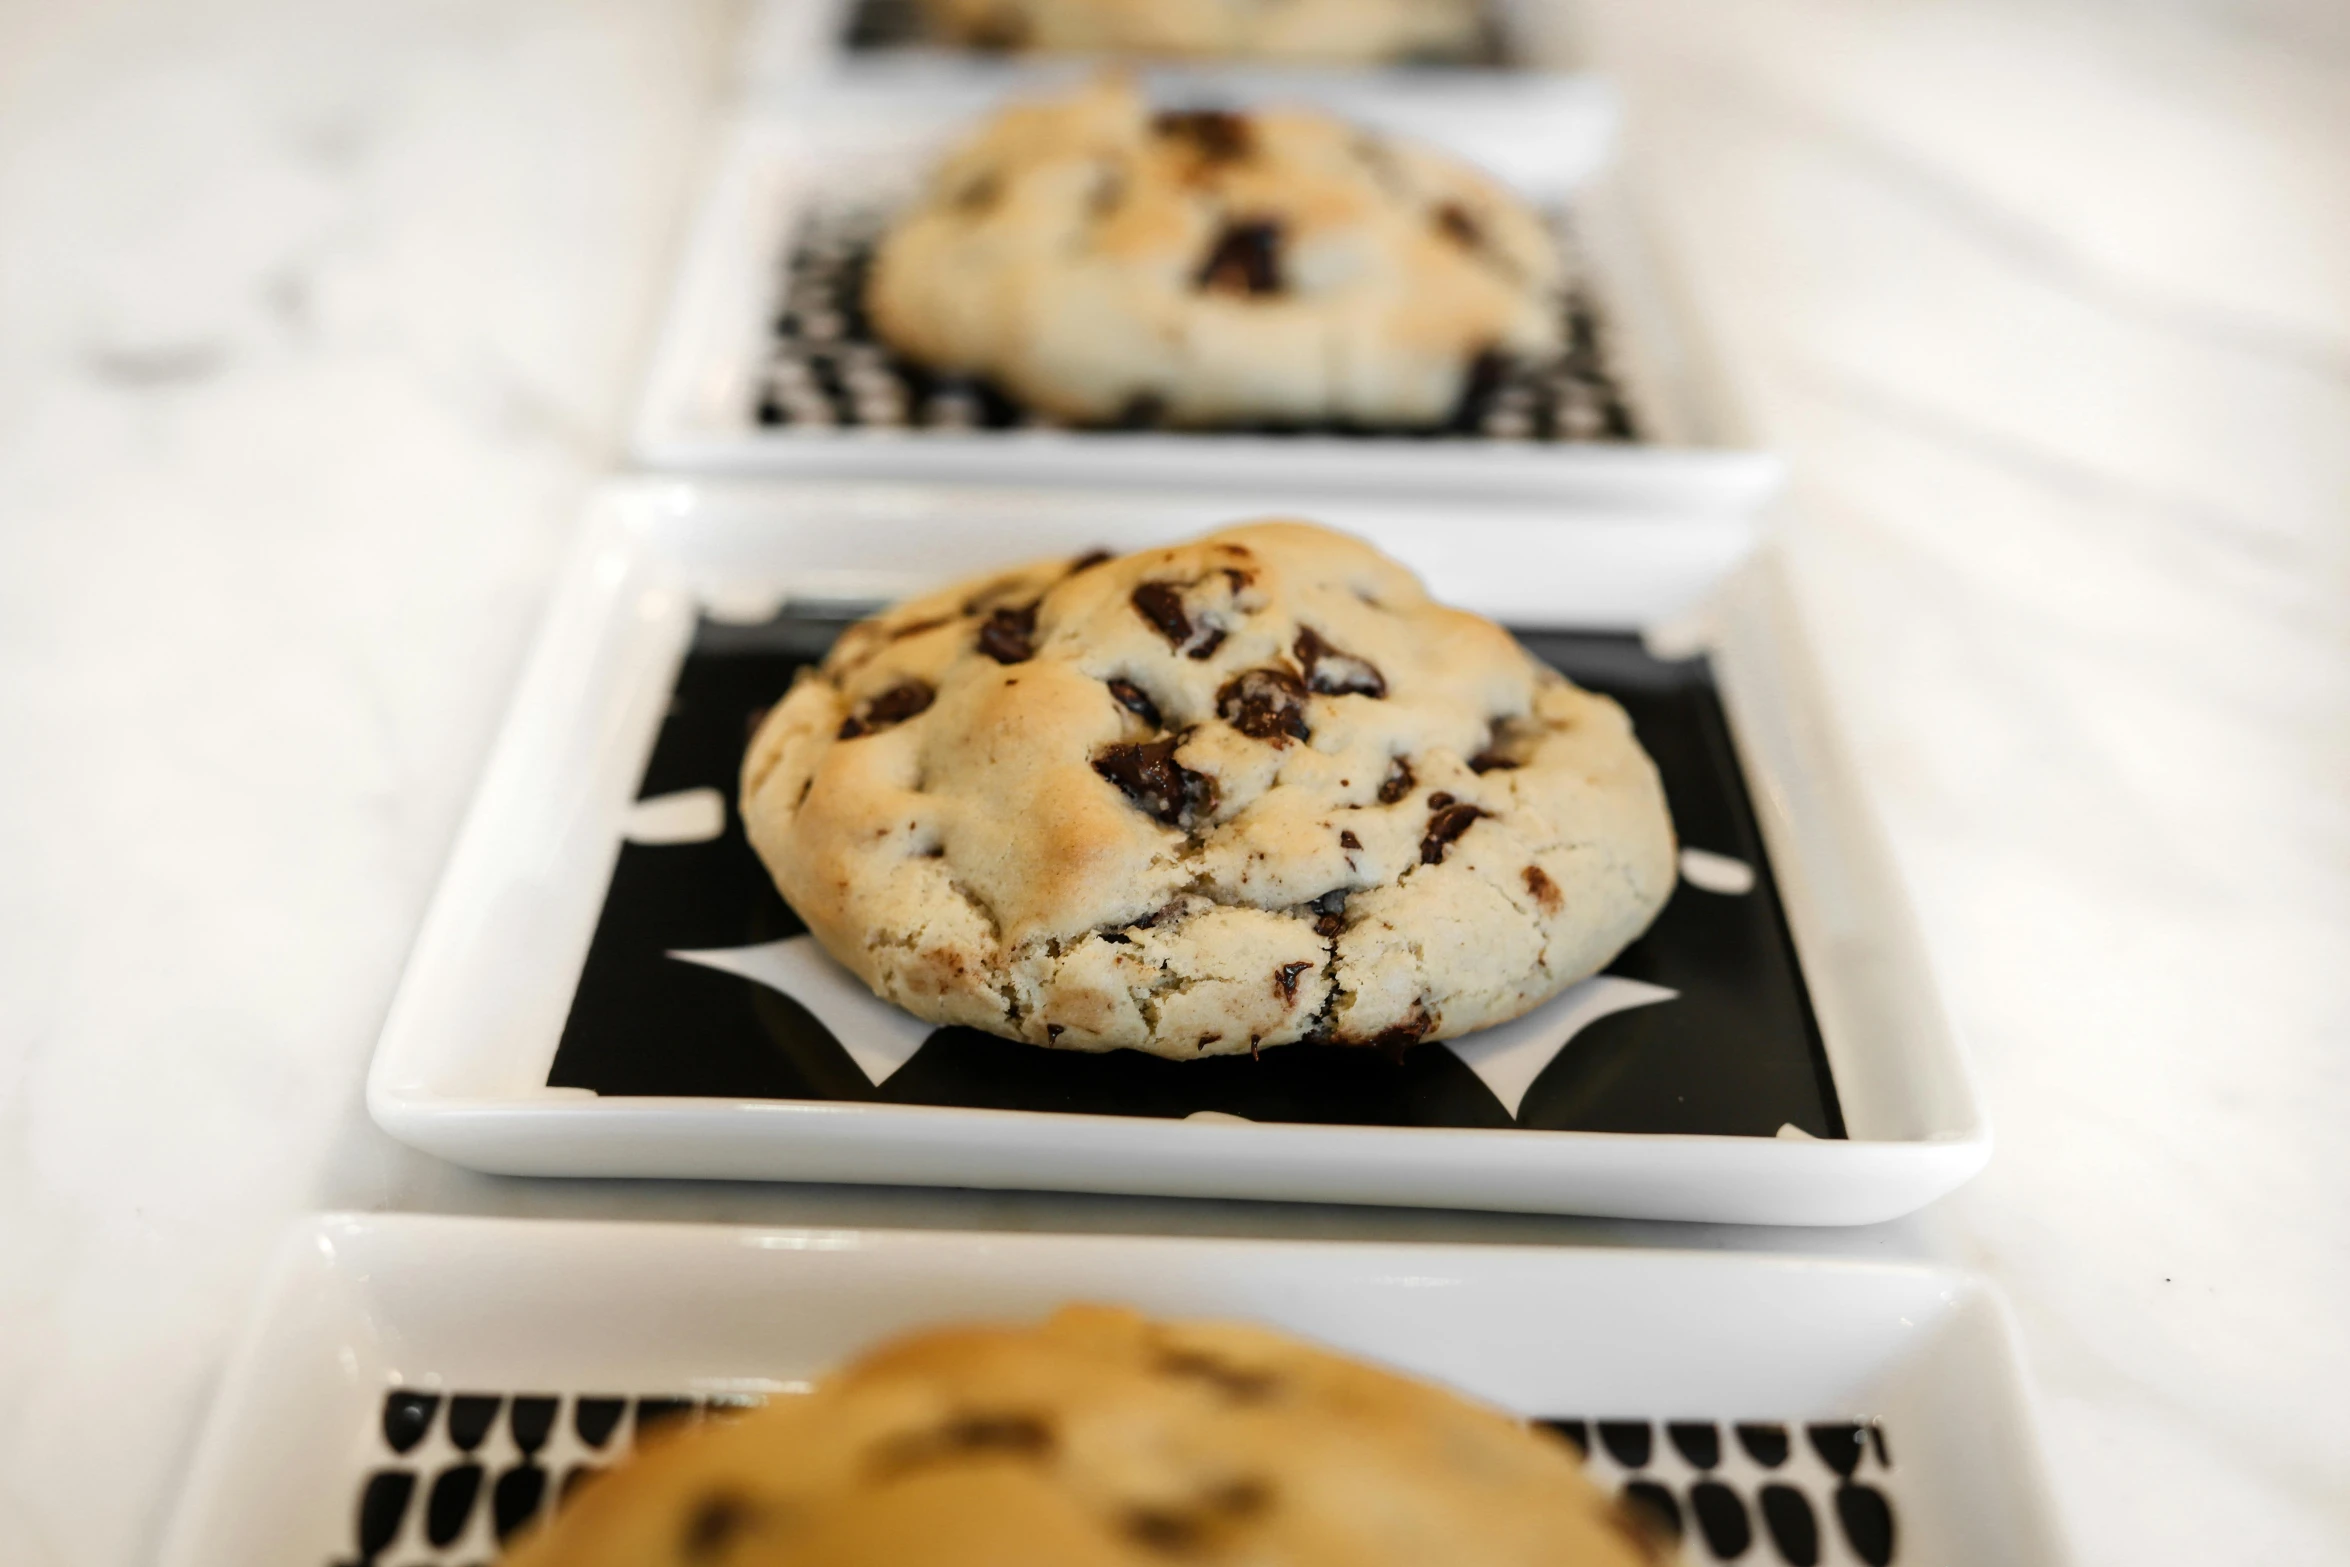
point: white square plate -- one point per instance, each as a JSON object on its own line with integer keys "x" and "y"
{"x": 789, "y": 41}
{"x": 1895, "y": 1390}
{"x": 463, "y": 1065}
{"x": 1552, "y": 139}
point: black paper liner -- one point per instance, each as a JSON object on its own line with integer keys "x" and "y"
{"x": 883, "y": 25}
{"x": 1737, "y": 1052}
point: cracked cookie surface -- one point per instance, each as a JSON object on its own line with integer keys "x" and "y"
{"x": 1328, "y": 31}
{"x": 1205, "y": 799}
{"x": 1098, "y": 1439}
{"x": 1103, "y": 263}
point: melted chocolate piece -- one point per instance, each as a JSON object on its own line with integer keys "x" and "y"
{"x": 1439, "y": 800}
{"x": 894, "y": 706}
{"x": 1285, "y": 979}
{"x": 1008, "y": 636}
{"x": 1156, "y": 782}
{"x": 1208, "y": 645}
{"x": 1394, "y": 1042}
{"x": 1137, "y": 701}
{"x": 1334, "y": 673}
{"x": 1217, "y": 135}
{"x": 1019, "y": 1435}
{"x": 979, "y": 194}
{"x": 715, "y": 1522}
{"x": 1443, "y": 827}
{"x": 1246, "y": 259}
{"x": 1398, "y": 782}
{"x": 1265, "y": 704}
{"x": 1088, "y": 560}
{"x": 1456, "y": 223}
{"x": 1347, "y": 839}
{"x": 1490, "y": 762}
{"x": 1162, "y": 606}
{"x": 1329, "y": 912}
{"x": 1238, "y": 1383}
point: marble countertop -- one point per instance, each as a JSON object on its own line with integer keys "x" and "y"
{"x": 316, "y": 324}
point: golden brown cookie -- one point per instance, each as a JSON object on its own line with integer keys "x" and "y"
{"x": 1205, "y": 799}
{"x": 1100, "y": 1439}
{"x": 1100, "y": 262}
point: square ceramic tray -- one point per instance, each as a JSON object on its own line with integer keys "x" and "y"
{"x": 787, "y": 42}
{"x": 766, "y": 365}
{"x": 591, "y": 896}
{"x": 412, "y": 1387}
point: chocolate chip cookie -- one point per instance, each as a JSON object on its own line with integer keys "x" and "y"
{"x": 1100, "y": 1439}
{"x": 1102, "y": 263}
{"x": 1321, "y": 31}
{"x": 1208, "y": 798}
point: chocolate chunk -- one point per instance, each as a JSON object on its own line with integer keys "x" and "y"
{"x": 1456, "y": 223}
{"x": 1117, "y": 939}
{"x": 1009, "y": 635}
{"x": 1054, "y": 1031}
{"x": 1238, "y": 1383}
{"x": 1347, "y": 840}
{"x": 1206, "y": 647}
{"x": 1334, "y": 673}
{"x": 1246, "y": 259}
{"x": 1088, "y": 560}
{"x": 979, "y": 194}
{"x": 1394, "y": 1042}
{"x": 1137, "y": 701}
{"x": 1265, "y": 704}
{"x": 1285, "y": 979}
{"x": 1490, "y": 762}
{"x": 1439, "y": 800}
{"x": 1156, "y": 782}
{"x": 1545, "y": 891}
{"x": 894, "y": 706}
{"x": 1162, "y": 606}
{"x": 1016, "y": 1435}
{"x": 1443, "y": 827}
{"x": 715, "y": 1522}
{"x": 1217, "y": 135}
{"x": 1329, "y": 912}
{"x": 1398, "y": 782}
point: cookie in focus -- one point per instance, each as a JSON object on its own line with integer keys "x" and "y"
{"x": 1204, "y": 799}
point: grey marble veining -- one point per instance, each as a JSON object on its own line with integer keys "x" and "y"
{"x": 316, "y": 323}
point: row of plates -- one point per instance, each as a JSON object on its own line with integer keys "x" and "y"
{"x": 606, "y": 985}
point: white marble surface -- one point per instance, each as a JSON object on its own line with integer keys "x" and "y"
{"x": 316, "y": 321}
